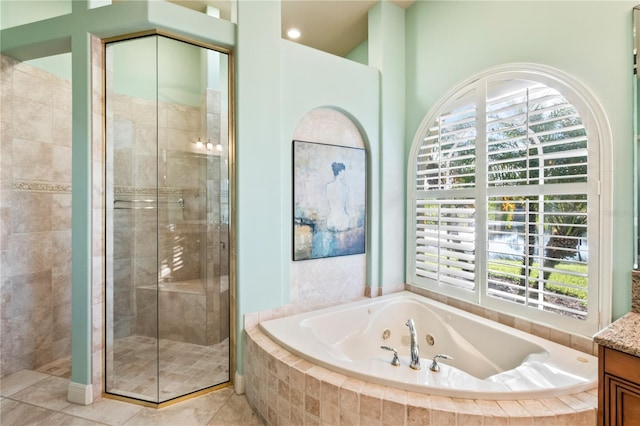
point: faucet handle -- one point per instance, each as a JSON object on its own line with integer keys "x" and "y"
{"x": 395, "y": 361}
{"x": 434, "y": 365}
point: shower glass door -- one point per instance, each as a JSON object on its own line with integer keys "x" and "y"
{"x": 167, "y": 219}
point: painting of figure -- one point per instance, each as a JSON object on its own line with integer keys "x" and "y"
{"x": 329, "y": 200}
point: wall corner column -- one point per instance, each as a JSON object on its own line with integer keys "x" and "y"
{"x": 80, "y": 389}
{"x": 387, "y": 54}
{"x": 261, "y": 283}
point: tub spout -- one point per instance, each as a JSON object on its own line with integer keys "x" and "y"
{"x": 415, "y": 351}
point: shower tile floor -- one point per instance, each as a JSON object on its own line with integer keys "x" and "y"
{"x": 183, "y": 367}
{"x": 40, "y": 397}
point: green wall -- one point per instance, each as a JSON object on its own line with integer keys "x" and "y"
{"x": 278, "y": 83}
{"x": 178, "y": 67}
{"x": 591, "y": 40}
{"x": 19, "y": 12}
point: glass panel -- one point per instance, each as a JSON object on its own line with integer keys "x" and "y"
{"x": 191, "y": 233}
{"x": 131, "y": 188}
{"x": 167, "y": 159}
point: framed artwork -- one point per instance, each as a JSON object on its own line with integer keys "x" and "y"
{"x": 329, "y": 200}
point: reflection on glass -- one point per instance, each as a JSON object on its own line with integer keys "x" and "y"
{"x": 167, "y": 222}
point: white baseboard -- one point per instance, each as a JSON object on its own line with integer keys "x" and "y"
{"x": 80, "y": 394}
{"x": 238, "y": 383}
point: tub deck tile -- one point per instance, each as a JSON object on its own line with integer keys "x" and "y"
{"x": 516, "y": 412}
{"x": 318, "y": 372}
{"x": 557, "y": 406}
{"x": 442, "y": 403}
{"x": 492, "y": 413}
{"x": 303, "y": 365}
{"x": 443, "y": 418}
{"x": 443, "y": 411}
{"x": 536, "y": 407}
{"x": 352, "y": 384}
{"x": 575, "y": 403}
{"x": 588, "y": 398}
{"x": 468, "y": 412}
{"x": 421, "y": 400}
{"x": 312, "y": 395}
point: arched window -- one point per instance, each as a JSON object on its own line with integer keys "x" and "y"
{"x": 505, "y": 197}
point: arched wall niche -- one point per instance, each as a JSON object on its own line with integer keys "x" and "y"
{"x": 318, "y": 283}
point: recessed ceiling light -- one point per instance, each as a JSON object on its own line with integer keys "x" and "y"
{"x": 293, "y": 33}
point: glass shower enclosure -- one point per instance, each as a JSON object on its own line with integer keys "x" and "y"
{"x": 167, "y": 219}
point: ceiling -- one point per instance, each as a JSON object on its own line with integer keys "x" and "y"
{"x": 333, "y": 26}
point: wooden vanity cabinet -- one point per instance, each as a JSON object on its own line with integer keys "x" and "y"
{"x": 618, "y": 388}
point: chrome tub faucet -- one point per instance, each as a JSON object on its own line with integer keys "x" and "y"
{"x": 415, "y": 351}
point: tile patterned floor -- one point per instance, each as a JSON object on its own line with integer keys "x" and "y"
{"x": 184, "y": 367}
{"x": 40, "y": 398}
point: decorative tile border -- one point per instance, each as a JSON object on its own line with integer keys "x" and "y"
{"x": 34, "y": 186}
{"x": 150, "y": 190}
{"x": 41, "y": 186}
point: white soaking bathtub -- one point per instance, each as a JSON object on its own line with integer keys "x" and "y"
{"x": 490, "y": 360}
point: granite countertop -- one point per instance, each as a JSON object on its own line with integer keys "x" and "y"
{"x": 622, "y": 335}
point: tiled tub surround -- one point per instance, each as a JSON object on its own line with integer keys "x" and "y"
{"x": 35, "y": 217}
{"x": 488, "y": 360}
{"x": 286, "y": 389}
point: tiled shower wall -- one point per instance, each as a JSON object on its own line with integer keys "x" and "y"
{"x": 166, "y": 156}
{"x": 217, "y": 289}
{"x": 147, "y": 156}
{"x": 35, "y": 217}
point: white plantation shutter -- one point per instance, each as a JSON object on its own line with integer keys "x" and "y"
{"x": 500, "y": 201}
{"x": 447, "y": 157}
{"x": 445, "y": 247}
{"x": 534, "y": 135}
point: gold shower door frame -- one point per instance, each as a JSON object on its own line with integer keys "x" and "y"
{"x": 143, "y": 205}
